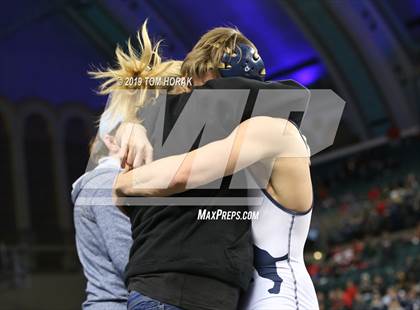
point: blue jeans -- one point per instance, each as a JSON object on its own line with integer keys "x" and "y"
{"x": 137, "y": 301}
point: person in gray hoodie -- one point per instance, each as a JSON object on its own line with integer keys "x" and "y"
{"x": 103, "y": 232}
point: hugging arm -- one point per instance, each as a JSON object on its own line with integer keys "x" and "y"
{"x": 253, "y": 140}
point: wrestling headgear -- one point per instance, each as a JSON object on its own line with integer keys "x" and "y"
{"x": 244, "y": 61}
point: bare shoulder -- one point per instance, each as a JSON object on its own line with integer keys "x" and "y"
{"x": 266, "y": 125}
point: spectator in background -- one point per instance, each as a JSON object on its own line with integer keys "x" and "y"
{"x": 376, "y": 303}
{"x": 336, "y": 299}
{"x": 321, "y": 299}
{"x": 358, "y": 303}
{"x": 349, "y": 294}
{"x": 390, "y": 298}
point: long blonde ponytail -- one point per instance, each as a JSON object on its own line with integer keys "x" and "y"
{"x": 126, "y": 96}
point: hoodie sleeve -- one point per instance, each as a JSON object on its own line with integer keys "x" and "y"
{"x": 114, "y": 226}
{"x": 116, "y": 230}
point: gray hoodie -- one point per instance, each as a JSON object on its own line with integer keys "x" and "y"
{"x": 103, "y": 237}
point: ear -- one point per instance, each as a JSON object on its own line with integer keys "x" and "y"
{"x": 111, "y": 144}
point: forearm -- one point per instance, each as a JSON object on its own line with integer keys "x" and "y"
{"x": 154, "y": 179}
{"x": 174, "y": 174}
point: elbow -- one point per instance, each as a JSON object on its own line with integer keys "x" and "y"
{"x": 120, "y": 188}
{"x": 118, "y": 192}
{"x": 180, "y": 181}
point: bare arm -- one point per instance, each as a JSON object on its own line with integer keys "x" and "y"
{"x": 253, "y": 140}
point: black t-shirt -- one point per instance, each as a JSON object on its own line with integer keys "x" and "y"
{"x": 176, "y": 258}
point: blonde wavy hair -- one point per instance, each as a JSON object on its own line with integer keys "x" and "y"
{"x": 206, "y": 55}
